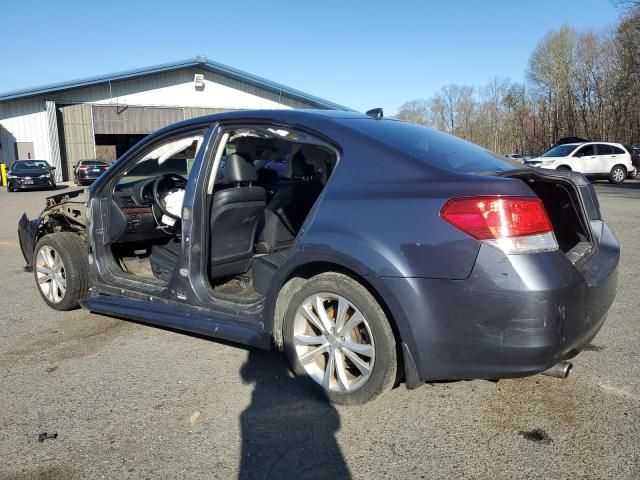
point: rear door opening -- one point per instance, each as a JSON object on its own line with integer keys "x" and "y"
{"x": 288, "y": 171}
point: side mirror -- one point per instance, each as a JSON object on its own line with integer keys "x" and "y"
{"x": 52, "y": 168}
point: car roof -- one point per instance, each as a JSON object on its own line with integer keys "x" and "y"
{"x": 591, "y": 143}
{"x": 306, "y": 117}
{"x": 284, "y": 115}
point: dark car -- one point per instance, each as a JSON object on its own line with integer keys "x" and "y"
{"x": 385, "y": 251}
{"x": 30, "y": 174}
{"x": 86, "y": 171}
{"x": 635, "y": 156}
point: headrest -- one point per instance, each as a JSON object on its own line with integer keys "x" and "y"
{"x": 267, "y": 176}
{"x": 300, "y": 167}
{"x": 239, "y": 168}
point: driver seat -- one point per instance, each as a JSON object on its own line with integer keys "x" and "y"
{"x": 236, "y": 213}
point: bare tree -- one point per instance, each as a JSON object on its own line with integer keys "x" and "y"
{"x": 579, "y": 83}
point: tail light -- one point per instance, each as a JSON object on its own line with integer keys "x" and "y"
{"x": 512, "y": 224}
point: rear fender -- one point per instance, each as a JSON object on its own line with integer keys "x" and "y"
{"x": 364, "y": 259}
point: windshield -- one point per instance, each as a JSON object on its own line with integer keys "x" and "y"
{"x": 437, "y": 148}
{"x": 560, "y": 151}
{"x": 32, "y": 165}
{"x": 175, "y": 156}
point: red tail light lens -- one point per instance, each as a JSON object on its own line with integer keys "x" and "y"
{"x": 492, "y": 218}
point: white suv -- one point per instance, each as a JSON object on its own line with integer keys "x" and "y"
{"x": 593, "y": 159}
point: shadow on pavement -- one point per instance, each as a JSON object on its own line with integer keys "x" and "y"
{"x": 288, "y": 431}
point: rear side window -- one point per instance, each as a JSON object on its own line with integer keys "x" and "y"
{"x": 436, "y": 148}
{"x": 617, "y": 150}
{"x": 586, "y": 151}
{"x": 605, "y": 149}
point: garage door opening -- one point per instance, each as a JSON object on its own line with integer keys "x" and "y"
{"x": 109, "y": 147}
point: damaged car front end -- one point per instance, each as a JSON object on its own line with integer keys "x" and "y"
{"x": 65, "y": 212}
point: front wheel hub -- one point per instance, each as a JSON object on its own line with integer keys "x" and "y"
{"x": 50, "y": 274}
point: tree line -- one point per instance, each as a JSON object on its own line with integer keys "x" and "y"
{"x": 578, "y": 84}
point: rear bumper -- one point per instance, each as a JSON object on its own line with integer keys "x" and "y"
{"x": 514, "y": 316}
{"x": 87, "y": 177}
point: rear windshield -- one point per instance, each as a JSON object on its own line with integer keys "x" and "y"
{"x": 93, "y": 162}
{"x": 34, "y": 165}
{"x": 559, "y": 151}
{"x": 437, "y": 148}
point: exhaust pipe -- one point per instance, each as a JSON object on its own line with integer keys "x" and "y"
{"x": 559, "y": 370}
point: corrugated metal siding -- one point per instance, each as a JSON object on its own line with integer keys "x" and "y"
{"x": 54, "y": 141}
{"x": 24, "y": 121}
{"x": 79, "y": 140}
{"x": 27, "y": 120}
{"x": 258, "y": 92}
{"x": 176, "y": 89}
{"x": 193, "y": 112}
{"x": 133, "y": 120}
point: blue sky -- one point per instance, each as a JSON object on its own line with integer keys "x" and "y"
{"x": 358, "y": 53}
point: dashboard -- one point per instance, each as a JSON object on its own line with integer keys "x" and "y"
{"x": 135, "y": 221}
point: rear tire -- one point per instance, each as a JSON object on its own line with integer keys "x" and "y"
{"x": 564, "y": 168}
{"x": 617, "y": 175}
{"x": 61, "y": 270}
{"x": 355, "y": 356}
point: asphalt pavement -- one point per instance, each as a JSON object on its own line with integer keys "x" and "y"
{"x": 128, "y": 400}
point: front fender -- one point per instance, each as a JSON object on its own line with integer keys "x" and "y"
{"x": 28, "y": 237}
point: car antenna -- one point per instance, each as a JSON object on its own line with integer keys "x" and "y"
{"x": 376, "y": 113}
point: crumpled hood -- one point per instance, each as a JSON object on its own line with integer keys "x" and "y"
{"x": 78, "y": 196}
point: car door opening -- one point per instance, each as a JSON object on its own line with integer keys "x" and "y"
{"x": 262, "y": 188}
{"x": 145, "y": 217}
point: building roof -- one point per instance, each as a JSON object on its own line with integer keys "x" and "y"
{"x": 198, "y": 62}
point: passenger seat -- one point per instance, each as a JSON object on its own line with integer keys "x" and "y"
{"x": 287, "y": 210}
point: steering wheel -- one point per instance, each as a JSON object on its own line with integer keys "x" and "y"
{"x": 163, "y": 184}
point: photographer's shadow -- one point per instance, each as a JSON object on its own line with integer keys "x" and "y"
{"x": 288, "y": 431}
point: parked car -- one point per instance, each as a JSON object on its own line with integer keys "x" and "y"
{"x": 389, "y": 251}
{"x": 86, "y": 171}
{"x": 518, "y": 158}
{"x": 593, "y": 159}
{"x": 30, "y": 174}
{"x": 635, "y": 156}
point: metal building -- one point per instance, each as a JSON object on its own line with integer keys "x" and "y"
{"x": 101, "y": 117}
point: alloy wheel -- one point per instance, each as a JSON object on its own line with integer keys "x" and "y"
{"x": 50, "y": 274}
{"x": 618, "y": 174}
{"x": 333, "y": 342}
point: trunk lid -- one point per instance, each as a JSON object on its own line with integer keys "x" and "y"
{"x": 572, "y": 206}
